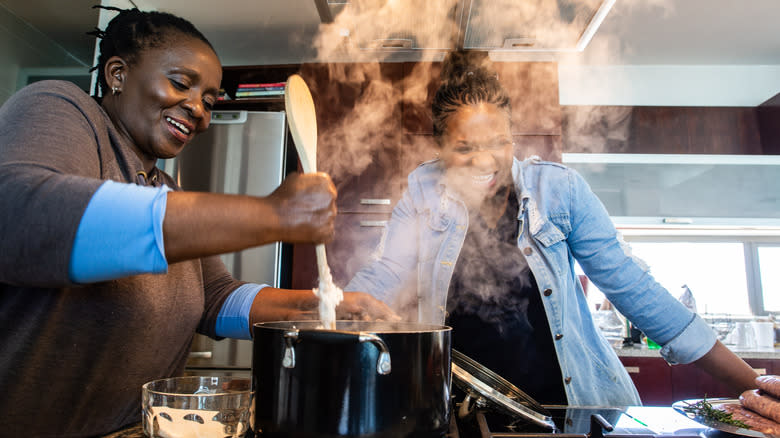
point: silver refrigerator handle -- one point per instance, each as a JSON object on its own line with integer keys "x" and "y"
{"x": 228, "y": 117}
{"x": 200, "y": 355}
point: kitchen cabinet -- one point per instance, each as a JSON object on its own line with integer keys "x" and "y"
{"x": 769, "y": 125}
{"x": 359, "y": 130}
{"x": 684, "y": 189}
{"x": 359, "y": 144}
{"x": 652, "y": 378}
{"x": 421, "y": 80}
{"x": 660, "y": 384}
{"x": 533, "y": 90}
{"x": 356, "y": 240}
{"x": 661, "y": 130}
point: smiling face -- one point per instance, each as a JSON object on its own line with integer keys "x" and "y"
{"x": 166, "y": 96}
{"x": 476, "y": 149}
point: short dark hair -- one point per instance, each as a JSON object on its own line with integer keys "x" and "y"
{"x": 133, "y": 31}
{"x": 467, "y": 79}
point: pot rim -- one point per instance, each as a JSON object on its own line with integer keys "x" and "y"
{"x": 354, "y": 326}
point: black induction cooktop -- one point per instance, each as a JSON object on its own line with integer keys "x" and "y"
{"x": 585, "y": 422}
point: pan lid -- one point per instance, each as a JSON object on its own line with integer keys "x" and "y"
{"x": 480, "y": 382}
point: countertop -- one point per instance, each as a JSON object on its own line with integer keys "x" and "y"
{"x": 643, "y": 351}
{"x": 132, "y": 431}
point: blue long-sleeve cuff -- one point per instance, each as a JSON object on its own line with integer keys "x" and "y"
{"x": 120, "y": 234}
{"x": 233, "y": 318}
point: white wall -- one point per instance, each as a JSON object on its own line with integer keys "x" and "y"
{"x": 22, "y": 46}
{"x": 103, "y": 19}
{"x": 667, "y": 85}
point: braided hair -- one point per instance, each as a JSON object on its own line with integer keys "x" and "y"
{"x": 467, "y": 79}
{"x": 132, "y": 31}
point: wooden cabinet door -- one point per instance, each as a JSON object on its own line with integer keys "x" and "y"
{"x": 359, "y": 128}
{"x": 359, "y": 143}
{"x": 659, "y": 383}
{"x": 420, "y": 82}
{"x": 768, "y": 115}
{"x": 723, "y": 130}
{"x": 357, "y": 238}
{"x": 533, "y": 90}
{"x": 662, "y": 130}
{"x": 652, "y": 377}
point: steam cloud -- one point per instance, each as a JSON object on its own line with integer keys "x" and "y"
{"x": 371, "y": 130}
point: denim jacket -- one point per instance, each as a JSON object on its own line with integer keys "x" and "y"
{"x": 560, "y": 220}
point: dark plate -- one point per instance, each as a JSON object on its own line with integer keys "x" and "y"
{"x": 723, "y": 427}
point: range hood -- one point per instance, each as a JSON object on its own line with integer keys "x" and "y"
{"x": 394, "y": 25}
{"x": 703, "y": 194}
{"x": 533, "y": 26}
{"x": 497, "y": 26}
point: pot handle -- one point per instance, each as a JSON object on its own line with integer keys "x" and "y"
{"x": 383, "y": 365}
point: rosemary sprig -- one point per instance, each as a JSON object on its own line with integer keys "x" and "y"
{"x": 704, "y": 409}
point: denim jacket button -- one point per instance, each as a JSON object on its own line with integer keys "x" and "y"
{"x": 567, "y": 380}
{"x": 558, "y": 336}
{"x": 527, "y": 250}
{"x": 547, "y": 292}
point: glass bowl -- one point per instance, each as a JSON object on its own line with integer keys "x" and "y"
{"x": 195, "y": 407}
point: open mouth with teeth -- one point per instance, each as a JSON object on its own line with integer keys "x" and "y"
{"x": 485, "y": 180}
{"x": 179, "y": 130}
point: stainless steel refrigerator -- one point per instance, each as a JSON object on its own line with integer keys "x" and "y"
{"x": 242, "y": 152}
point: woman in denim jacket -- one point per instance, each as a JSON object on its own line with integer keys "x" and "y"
{"x": 487, "y": 244}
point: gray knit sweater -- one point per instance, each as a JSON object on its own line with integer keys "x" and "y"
{"x": 73, "y": 357}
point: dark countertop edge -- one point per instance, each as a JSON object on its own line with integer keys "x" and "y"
{"x": 744, "y": 354}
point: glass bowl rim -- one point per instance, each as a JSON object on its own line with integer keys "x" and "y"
{"x": 147, "y": 386}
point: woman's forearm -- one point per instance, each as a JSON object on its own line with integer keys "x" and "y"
{"x": 301, "y": 210}
{"x": 203, "y": 224}
{"x": 725, "y": 366}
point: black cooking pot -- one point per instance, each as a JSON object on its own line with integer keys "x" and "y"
{"x": 364, "y": 379}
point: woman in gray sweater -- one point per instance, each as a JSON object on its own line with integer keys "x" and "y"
{"x": 107, "y": 268}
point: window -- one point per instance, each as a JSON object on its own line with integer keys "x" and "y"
{"x": 769, "y": 275}
{"x": 727, "y": 275}
{"x": 714, "y": 272}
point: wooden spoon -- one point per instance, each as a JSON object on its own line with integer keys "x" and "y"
{"x": 303, "y": 125}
